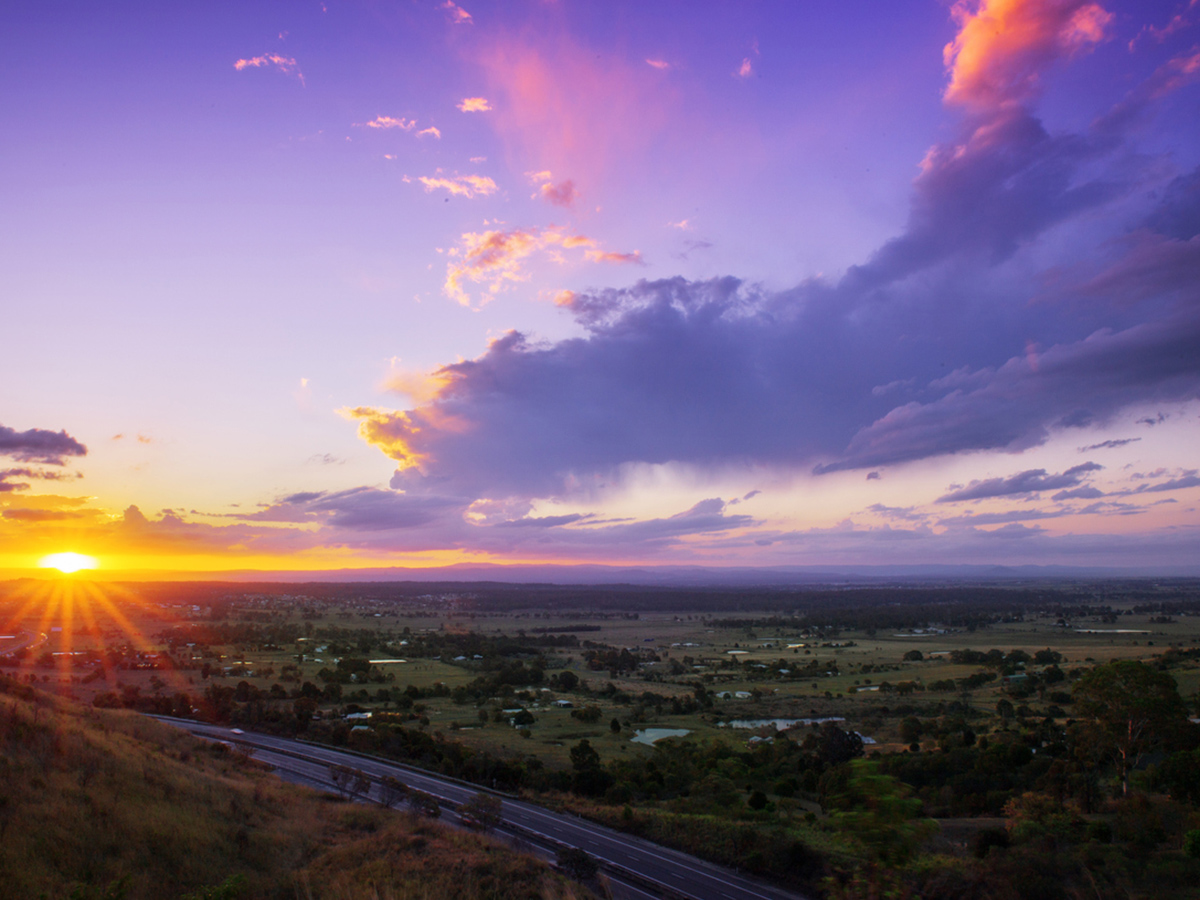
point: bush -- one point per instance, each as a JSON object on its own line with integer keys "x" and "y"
{"x": 1191, "y": 844}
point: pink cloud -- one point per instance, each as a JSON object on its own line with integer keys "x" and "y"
{"x": 561, "y": 194}
{"x": 608, "y": 256}
{"x": 658, "y": 63}
{"x": 1003, "y": 45}
{"x": 497, "y": 259}
{"x": 475, "y": 104}
{"x": 460, "y": 185}
{"x": 458, "y": 15}
{"x": 746, "y": 69}
{"x": 431, "y": 131}
{"x": 284, "y": 64}
{"x": 388, "y": 122}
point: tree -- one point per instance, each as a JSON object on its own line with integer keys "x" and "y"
{"x": 423, "y": 803}
{"x": 342, "y": 778}
{"x": 391, "y": 790}
{"x": 577, "y": 863}
{"x": 1138, "y": 707}
{"x": 589, "y": 776}
{"x": 876, "y": 810}
{"x": 484, "y": 809}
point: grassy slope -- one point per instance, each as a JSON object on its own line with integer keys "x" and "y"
{"x": 93, "y": 796}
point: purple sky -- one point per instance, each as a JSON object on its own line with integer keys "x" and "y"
{"x": 303, "y": 285}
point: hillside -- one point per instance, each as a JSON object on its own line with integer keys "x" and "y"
{"x": 104, "y": 803}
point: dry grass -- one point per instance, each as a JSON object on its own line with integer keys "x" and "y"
{"x": 95, "y": 796}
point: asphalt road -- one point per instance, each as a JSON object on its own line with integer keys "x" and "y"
{"x": 21, "y": 639}
{"x": 645, "y": 868}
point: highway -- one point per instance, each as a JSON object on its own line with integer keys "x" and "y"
{"x": 639, "y": 868}
{"x": 11, "y": 643}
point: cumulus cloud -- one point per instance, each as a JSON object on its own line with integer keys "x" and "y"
{"x": 1003, "y": 47}
{"x": 38, "y": 445}
{"x": 930, "y": 347}
{"x": 1031, "y": 481}
{"x": 474, "y": 104}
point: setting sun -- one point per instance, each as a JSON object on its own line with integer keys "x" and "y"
{"x": 68, "y": 562}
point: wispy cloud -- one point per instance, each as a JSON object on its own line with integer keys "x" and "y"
{"x": 390, "y": 122}
{"x": 285, "y": 64}
{"x": 660, "y": 64}
{"x": 745, "y": 70}
{"x": 458, "y": 15}
{"x": 608, "y": 256}
{"x": 1031, "y": 481}
{"x": 474, "y": 104}
{"x": 460, "y": 185}
{"x": 431, "y": 131}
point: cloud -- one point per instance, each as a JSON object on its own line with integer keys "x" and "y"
{"x": 38, "y": 445}
{"x": 1108, "y": 445}
{"x": 660, "y": 64}
{"x": 497, "y": 258}
{"x": 1031, "y": 481}
{"x": 561, "y": 194}
{"x": 474, "y": 104}
{"x": 431, "y": 131}
{"x": 1178, "y": 213}
{"x": 458, "y": 15}
{"x": 386, "y": 122}
{"x": 745, "y": 70}
{"x": 930, "y": 347}
{"x": 1015, "y": 406}
{"x": 460, "y": 185}
{"x": 493, "y": 258}
{"x": 284, "y": 64}
{"x": 1189, "y": 480}
{"x": 609, "y": 256}
{"x": 1003, "y": 46}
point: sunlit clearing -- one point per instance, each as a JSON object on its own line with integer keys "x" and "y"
{"x": 68, "y": 562}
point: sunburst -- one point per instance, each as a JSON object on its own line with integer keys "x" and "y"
{"x": 66, "y": 616}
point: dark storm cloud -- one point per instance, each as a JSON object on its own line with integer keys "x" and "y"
{"x": 1031, "y": 481}
{"x": 38, "y": 445}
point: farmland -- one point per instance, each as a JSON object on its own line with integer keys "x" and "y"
{"x": 770, "y": 696}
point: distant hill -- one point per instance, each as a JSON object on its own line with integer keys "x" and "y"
{"x": 652, "y": 575}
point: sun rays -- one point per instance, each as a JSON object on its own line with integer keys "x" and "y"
{"x": 82, "y": 629}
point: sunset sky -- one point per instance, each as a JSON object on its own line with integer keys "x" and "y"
{"x": 305, "y": 285}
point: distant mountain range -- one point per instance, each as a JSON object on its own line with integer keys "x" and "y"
{"x": 665, "y": 576}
